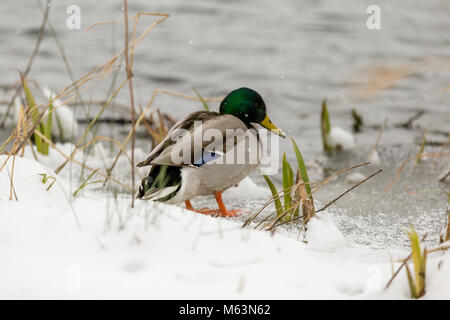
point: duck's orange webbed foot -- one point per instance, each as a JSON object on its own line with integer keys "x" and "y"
{"x": 221, "y": 212}
{"x": 222, "y": 209}
{"x": 207, "y": 211}
{"x": 230, "y": 213}
{"x": 218, "y": 212}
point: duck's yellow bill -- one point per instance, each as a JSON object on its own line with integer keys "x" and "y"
{"x": 266, "y": 123}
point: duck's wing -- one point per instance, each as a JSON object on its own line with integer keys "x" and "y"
{"x": 178, "y": 129}
{"x": 185, "y": 136}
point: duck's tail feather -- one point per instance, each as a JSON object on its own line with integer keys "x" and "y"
{"x": 159, "y": 194}
{"x": 161, "y": 184}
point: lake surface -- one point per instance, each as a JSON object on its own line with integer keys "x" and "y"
{"x": 295, "y": 53}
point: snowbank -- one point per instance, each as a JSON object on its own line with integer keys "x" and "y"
{"x": 340, "y": 139}
{"x": 323, "y": 234}
{"x": 162, "y": 251}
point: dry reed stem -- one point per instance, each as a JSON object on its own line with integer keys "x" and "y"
{"x": 7, "y": 141}
{"x": 422, "y": 146}
{"x": 398, "y": 270}
{"x": 156, "y": 137}
{"x": 41, "y": 34}
{"x": 377, "y": 140}
{"x": 445, "y": 176}
{"x": 447, "y": 229}
{"x": 328, "y": 179}
{"x": 278, "y": 218}
{"x": 21, "y": 124}
{"x": 19, "y": 129}
{"x": 343, "y": 194}
{"x": 11, "y": 178}
{"x": 129, "y": 72}
{"x": 162, "y": 125}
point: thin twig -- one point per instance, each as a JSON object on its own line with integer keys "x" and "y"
{"x": 130, "y": 83}
{"x": 343, "y": 194}
{"x": 377, "y": 141}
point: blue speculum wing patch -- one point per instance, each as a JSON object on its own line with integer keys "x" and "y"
{"x": 207, "y": 157}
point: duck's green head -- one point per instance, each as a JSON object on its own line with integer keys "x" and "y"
{"x": 249, "y": 106}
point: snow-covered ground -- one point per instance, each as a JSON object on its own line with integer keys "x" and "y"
{"x": 161, "y": 251}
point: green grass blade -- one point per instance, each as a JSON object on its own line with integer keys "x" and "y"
{"x": 46, "y": 177}
{"x": 48, "y": 129}
{"x": 302, "y": 168}
{"x": 415, "y": 247}
{"x": 205, "y": 105}
{"x": 28, "y": 95}
{"x": 33, "y": 111}
{"x": 412, "y": 288}
{"x": 357, "y": 121}
{"x": 290, "y": 183}
{"x": 422, "y": 147}
{"x": 85, "y": 183}
{"x": 287, "y": 183}
{"x": 274, "y": 192}
{"x": 423, "y": 270}
{"x": 419, "y": 262}
{"x": 325, "y": 126}
{"x": 447, "y": 231}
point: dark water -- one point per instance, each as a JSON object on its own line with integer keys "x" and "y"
{"x": 295, "y": 53}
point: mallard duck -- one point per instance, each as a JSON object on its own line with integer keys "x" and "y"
{"x": 209, "y": 171}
